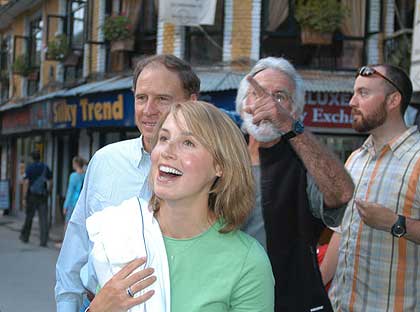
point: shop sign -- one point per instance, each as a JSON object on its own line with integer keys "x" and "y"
{"x": 40, "y": 116}
{"x": 104, "y": 110}
{"x": 15, "y": 121}
{"x": 327, "y": 110}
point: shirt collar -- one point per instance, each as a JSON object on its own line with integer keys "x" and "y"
{"x": 399, "y": 146}
{"x": 140, "y": 154}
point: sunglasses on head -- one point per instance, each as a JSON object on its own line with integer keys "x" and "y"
{"x": 367, "y": 71}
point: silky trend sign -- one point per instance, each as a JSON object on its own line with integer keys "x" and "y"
{"x": 103, "y": 110}
{"x": 327, "y": 110}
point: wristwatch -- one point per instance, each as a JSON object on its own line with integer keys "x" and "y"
{"x": 297, "y": 128}
{"x": 398, "y": 229}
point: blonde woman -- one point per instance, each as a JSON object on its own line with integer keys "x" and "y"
{"x": 203, "y": 191}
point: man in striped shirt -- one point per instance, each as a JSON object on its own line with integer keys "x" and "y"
{"x": 378, "y": 265}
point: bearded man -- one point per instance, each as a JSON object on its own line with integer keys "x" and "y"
{"x": 303, "y": 185}
{"x": 378, "y": 257}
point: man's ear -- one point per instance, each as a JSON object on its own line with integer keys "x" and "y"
{"x": 394, "y": 101}
{"x": 194, "y": 97}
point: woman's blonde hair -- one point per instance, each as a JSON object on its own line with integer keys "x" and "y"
{"x": 232, "y": 195}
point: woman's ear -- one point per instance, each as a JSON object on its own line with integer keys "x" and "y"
{"x": 219, "y": 172}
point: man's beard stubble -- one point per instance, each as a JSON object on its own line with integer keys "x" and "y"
{"x": 367, "y": 123}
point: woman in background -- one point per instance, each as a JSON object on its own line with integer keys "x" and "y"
{"x": 74, "y": 187}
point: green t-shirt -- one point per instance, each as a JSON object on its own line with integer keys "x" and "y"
{"x": 216, "y": 272}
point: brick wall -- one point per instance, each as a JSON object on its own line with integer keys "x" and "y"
{"x": 241, "y": 29}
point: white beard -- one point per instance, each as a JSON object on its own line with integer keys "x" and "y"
{"x": 264, "y": 132}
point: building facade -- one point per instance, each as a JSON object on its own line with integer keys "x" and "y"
{"x": 65, "y": 78}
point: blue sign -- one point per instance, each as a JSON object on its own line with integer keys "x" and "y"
{"x": 114, "y": 109}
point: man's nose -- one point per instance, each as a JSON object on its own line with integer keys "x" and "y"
{"x": 151, "y": 107}
{"x": 353, "y": 101}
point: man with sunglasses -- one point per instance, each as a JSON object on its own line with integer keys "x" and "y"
{"x": 378, "y": 259}
{"x": 303, "y": 185}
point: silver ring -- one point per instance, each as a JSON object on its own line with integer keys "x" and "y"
{"x": 129, "y": 292}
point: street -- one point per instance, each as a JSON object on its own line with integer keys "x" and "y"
{"x": 27, "y": 271}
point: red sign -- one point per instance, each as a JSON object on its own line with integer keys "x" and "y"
{"x": 327, "y": 110}
{"x": 16, "y": 121}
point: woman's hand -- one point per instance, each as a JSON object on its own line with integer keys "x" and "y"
{"x": 114, "y": 297}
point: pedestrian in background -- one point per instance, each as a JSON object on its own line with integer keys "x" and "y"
{"x": 74, "y": 187}
{"x": 36, "y": 188}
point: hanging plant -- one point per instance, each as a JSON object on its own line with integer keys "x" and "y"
{"x": 117, "y": 27}
{"x": 118, "y": 30}
{"x": 318, "y": 19}
{"x": 58, "y": 48}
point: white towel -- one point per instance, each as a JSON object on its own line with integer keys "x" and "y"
{"x": 123, "y": 233}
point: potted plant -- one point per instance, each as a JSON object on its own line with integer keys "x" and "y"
{"x": 21, "y": 65}
{"x": 117, "y": 30}
{"x": 58, "y": 48}
{"x": 319, "y": 19}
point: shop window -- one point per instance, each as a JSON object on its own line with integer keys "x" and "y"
{"x": 204, "y": 44}
{"x": 5, "y": 61}
{"x": 76, "y": 21}
{"x": 35, "y": 50}
{"x": 281, "y": 36}
{"x": 397, "y": 46}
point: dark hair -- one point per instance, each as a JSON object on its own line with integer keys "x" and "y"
{"x": 190, "y": 81}
{"x": 401, "y": 79}
{"x": 36, "y": 156}
{"x": 81, "y": 162}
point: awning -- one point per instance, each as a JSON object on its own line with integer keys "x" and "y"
{"x": 211, "y": 81}
{"x": 327, "y": 81}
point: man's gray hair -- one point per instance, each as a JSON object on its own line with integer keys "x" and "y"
{"x": 283, "y": 66}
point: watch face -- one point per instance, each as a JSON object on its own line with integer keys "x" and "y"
{"x": 298, "y": 127}
{"x": 398, "y": 231}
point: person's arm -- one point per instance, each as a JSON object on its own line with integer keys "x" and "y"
{"x": 70, "y": 190}
{"x": 254, "y": 291}
{"x": 329, "y": 263}
{"x": 382, "y": 218}
{"x": 329, "y": 173}
{"x": 330, "y": 217}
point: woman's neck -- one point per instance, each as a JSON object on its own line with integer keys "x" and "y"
{"x": 184, "y": 219}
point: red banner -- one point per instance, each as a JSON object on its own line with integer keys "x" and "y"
{"x": 327, "y": 110}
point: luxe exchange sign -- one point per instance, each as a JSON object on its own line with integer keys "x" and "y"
{"x": 327, "y": 110}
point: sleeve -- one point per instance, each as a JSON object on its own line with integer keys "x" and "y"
{"x": 254, "y": 291}
{"x": 332, "y": 216}
{"x": 76, "y": 245}
{"x": 70, "y": 191}
{"x": 254, "y": 225}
